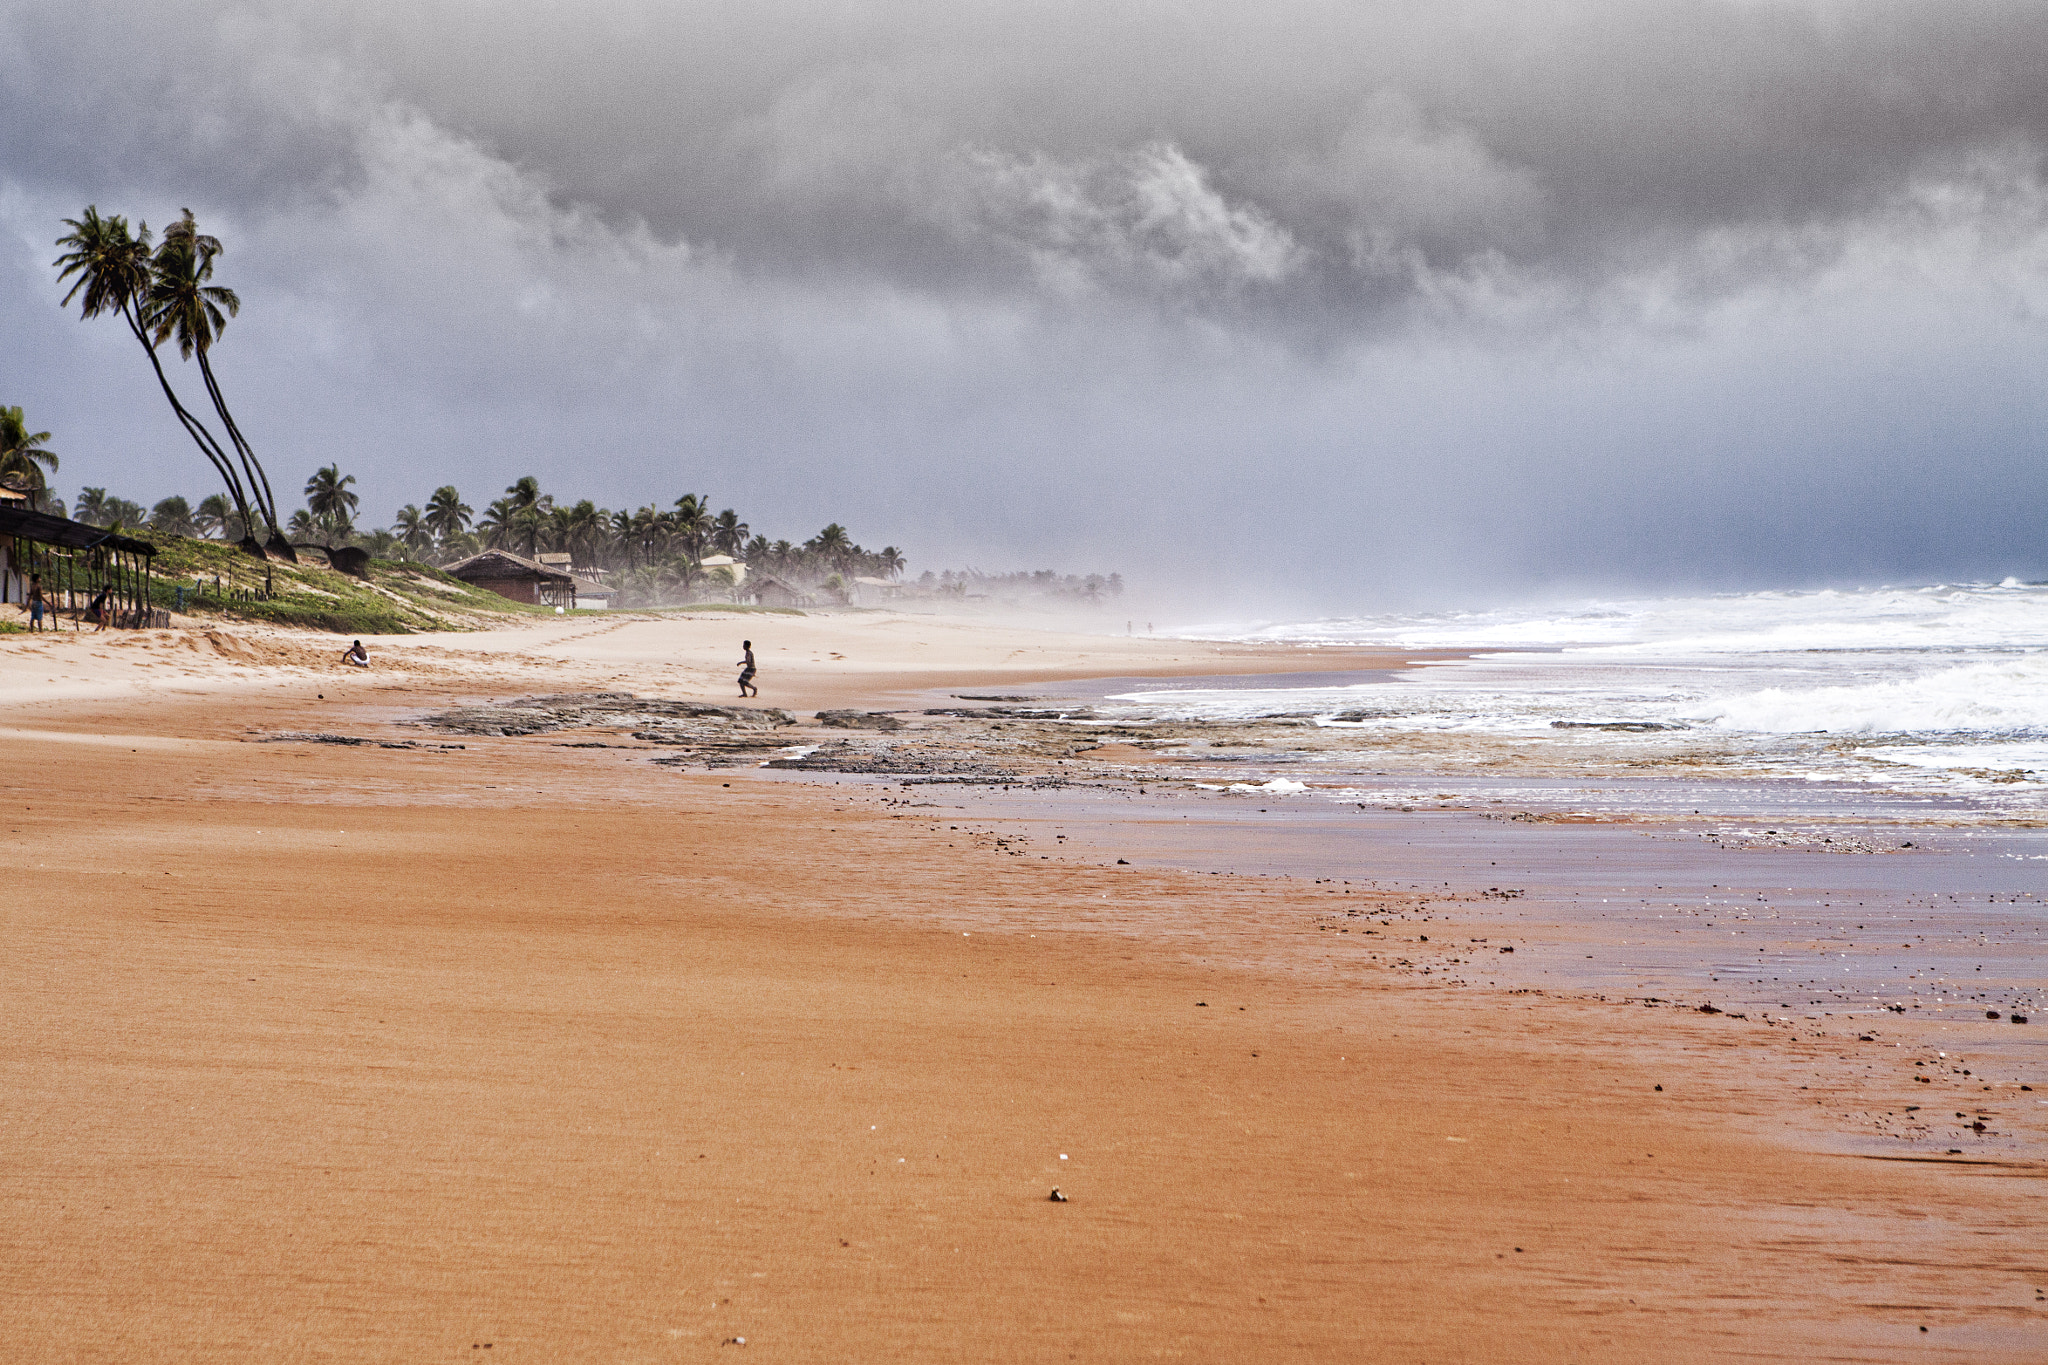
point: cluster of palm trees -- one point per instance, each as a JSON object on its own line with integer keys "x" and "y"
{"x": 656, "y": 553}
{"x": 164, "y": 292}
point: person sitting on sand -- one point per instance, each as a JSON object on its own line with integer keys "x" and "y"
{"x": 357, "y": 655}
{"x": 35, "y": 602}
{"x": 747, "y": 670}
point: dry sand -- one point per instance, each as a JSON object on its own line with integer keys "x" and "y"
{"x": 520, "y": 1051}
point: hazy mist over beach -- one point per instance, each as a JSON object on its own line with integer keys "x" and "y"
{"x": 1326, "y": 304}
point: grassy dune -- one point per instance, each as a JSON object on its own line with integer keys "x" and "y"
{"x": 401, "y": 598}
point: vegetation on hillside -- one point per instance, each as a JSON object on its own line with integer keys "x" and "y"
{"x": 399, "y": 597}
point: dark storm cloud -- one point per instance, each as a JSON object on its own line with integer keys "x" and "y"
{"x": 1378, "y": 142}
{"x": 1353, "y": 297}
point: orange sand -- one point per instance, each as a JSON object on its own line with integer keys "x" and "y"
{"x": 531, "y": 1053}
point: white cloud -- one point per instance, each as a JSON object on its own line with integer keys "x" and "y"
{"x": 1145, "y": 219}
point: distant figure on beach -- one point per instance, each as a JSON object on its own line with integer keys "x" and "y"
{"x": 35, "y": 602}
{"x": 747, "y": 670}
{"x": 357, "y": 655}
{"x": 96, "y": 611}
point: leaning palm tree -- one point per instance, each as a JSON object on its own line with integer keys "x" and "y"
{"x": 182, "y": 304}
{"x": 23, "y": 454}
{"x": 111, "y": 267}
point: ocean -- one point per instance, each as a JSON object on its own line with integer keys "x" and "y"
{"x": 1939, "y": 688}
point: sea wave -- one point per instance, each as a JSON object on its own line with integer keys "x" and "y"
{"x": 2001, "y": 697}
{"x": 1966, "y": 616}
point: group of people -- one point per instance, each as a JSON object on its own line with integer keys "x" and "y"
{"x": 98, "y": 611}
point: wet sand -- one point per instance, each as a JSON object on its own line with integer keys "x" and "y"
{"x": 405, "y": 1054}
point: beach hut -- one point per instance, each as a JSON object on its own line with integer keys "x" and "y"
{"x": 867, "y": 589}
{"x": 75, "y": 561}
{"x": 518, "y": 578}
{"x": 767, "y": 590}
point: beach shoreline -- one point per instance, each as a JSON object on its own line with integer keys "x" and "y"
{"x": 391, "y": 1048}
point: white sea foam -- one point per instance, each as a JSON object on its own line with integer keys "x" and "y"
{"x": 1949, "y": 679}
{"x": 1947, "y": 616}
{"x": 1994, "y": 697}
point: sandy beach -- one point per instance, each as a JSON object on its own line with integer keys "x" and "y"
{"x": 402, "y": 1043}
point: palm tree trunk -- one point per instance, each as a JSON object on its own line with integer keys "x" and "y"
{"x": 204, "y": 439}
{"x": 251, "y": 466}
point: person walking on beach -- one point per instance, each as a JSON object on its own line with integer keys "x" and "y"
{"x": 35, "y": 601}
{"x": 97, "y": 610}
{"x": 355, "y": 654}
{"x": 747, "y": 670}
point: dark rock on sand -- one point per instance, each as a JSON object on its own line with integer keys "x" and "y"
{"x": 860, "y": 720}
{"x": 582, "y": 710}
{"x": 1624, "y": 726}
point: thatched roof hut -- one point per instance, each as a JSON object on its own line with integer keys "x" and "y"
{"x": 517, "y": 577}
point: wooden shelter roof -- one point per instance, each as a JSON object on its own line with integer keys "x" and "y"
{"x": 73, "y": 535}
{"x": 502, "y": 565}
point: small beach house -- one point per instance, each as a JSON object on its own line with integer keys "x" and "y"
{"x": 518, "y": 578}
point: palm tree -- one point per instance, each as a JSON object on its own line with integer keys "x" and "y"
{"x": 889, "y": 560}
{"x": 113, "y": 271}
{"x": 91, "y": 507}
{"x": 583, "y": 528}
{"x": 526, "y": 510}
{"x": 180, "y": 303}
{"x": 23, "y": 454}
{"x": 693, "y": 522}
{"x": 122, "y": 514}
{"x": 173, "y": 517}
{"x": 412, "y": 529}
{"x": 328, "y": 495}
{"x": 447, "y": 515}
{"x": 332, "y": 504}
{"x": 729, "y": 534}
{"x": 832, "y": 546}
{"x": 620, "y": 528}
{"x": 215, "y": 513}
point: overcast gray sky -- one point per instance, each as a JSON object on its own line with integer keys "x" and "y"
{"x": 1341, "y": 304}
